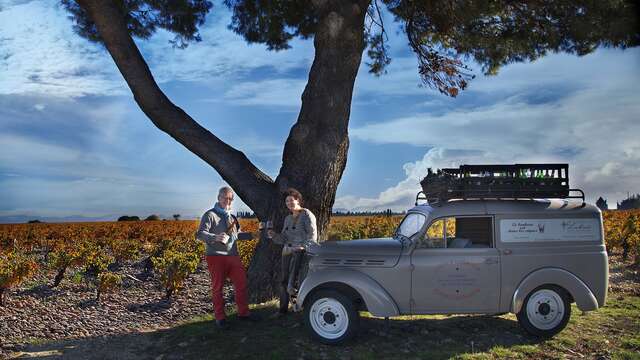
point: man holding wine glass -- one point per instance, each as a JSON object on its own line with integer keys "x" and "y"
{"x": 220, "y": 230}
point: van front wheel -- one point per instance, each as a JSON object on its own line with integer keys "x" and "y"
{"x": 546, "y": 311}
{"x": 331, "y": 317}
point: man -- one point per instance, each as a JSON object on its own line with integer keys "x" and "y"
{"x": 220, "y": 230}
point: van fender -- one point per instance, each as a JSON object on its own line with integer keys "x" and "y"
{"x": 378, "y": 301}
{"x": 580, "y": 292}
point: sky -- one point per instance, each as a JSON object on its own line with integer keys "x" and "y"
{"x": 74, "y": 143}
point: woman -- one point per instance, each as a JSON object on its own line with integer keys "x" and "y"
{"x": 299, "y": 229}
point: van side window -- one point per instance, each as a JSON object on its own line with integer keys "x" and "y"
{"x": 471, "y": 232}
{"x": 434, "y": 236}
{"x": 457, "y": 233}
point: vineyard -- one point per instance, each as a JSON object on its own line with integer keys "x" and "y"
{"x": 170, "y": 251}
{"x": 167, "y": 249}
{"x": 91, "y": 280}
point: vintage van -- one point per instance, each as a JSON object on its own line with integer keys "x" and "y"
{"x": 530, "y": 257}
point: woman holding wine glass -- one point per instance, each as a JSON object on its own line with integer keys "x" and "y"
{"x": 299, "y": 229}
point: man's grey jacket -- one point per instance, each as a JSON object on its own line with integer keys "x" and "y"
{"x": 211, "y": 225}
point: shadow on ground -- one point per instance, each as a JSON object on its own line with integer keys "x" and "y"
{"x": 426, "y": 337}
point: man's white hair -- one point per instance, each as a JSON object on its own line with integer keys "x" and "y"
{"x": 225, "y": 190}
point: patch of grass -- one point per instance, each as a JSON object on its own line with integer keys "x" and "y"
{"x": 625, "y": 355}
{"x": 631, "y": 343}
{"x": 611, "y": 332}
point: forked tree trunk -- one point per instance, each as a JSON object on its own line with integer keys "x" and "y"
{"x": 315, "y": 153}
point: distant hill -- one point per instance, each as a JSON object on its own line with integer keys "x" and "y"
{"x": 19, "y": 219}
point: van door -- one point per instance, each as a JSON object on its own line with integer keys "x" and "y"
{"x": 456, "y": 267}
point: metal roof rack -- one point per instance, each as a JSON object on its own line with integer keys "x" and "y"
{"x": 517, "y": 181}
{"x": 434, "y": 201}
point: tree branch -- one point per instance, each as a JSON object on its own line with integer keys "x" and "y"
{"x": 251, "y": 184}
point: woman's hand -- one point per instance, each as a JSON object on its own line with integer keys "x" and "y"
{"x": 271, "y": 234}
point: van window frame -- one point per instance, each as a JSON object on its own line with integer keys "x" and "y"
{"x": 493, "y": 240}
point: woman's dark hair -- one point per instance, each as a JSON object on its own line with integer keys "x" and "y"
{"x": 295, "y": 194}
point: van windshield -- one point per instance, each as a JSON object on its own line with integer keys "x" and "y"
{"x": 411, "y": 224}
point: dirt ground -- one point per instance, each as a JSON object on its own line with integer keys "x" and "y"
{"x": 612, "y": 332}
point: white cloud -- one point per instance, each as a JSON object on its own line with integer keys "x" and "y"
{"x": 220, "y": 54}
{"x": 276, "y": 92}
{"x": 40, "y": 54}
{"x": 256, "y": 145}
{"x": 21, "y": 150}
{"x": 593, "y": 127}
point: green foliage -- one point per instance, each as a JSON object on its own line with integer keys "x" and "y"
{"x": 107, "y": 282}
{"x": 440, "y": 32}
{"x": 128, "y": 218}
{"x": 63, "y": 258}
{"x": 76, "y": 278}
{"x": 15, "y": 267}
{"x": 96, "y": 259}
{"x": 174, "y": 267}
{"x": 273, "y": 23}
{"x": 631, "y": 236}
{"x": 496, "y": 33}
{"x": 362, "y": 228}
{"x": 493, "y": 33}
{"x": 631, "y": 202}
{"x": 144, "y": 17}
{"x": 126, "y": 249}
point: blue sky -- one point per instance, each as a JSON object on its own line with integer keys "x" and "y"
{"x": 75, "y": 143}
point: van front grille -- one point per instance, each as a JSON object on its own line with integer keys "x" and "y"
{"x": 352, "y": 262}
{"x": 331, "y": 261}
{"x": 375, "y": 262}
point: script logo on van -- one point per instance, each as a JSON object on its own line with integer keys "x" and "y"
{"x": 531, "y": 230}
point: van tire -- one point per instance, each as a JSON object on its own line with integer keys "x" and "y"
{"x": 546, "y": 311}
{"x": 331, "y": 317}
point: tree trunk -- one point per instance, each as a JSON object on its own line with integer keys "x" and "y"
{"x": 315, "y": 153}
{"x": 625, "y": 248}
{"x": 59, "y": 276}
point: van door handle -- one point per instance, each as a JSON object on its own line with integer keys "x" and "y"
{"x": 506, "y": 252}
{"x": 491, "y": 261}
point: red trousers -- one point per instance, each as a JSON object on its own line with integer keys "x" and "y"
{"x": 221, "y": 268}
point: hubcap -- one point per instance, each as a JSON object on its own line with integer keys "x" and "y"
{"x": 328, "y": 318}
{"x": 545, "y": 309}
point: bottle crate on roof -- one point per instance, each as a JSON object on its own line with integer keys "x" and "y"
{"x": 497, "y": 181}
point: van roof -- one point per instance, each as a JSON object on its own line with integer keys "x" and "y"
{"x": 513, "y": 206}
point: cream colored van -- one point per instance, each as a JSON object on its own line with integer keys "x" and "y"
{"x": 530, "y": 257}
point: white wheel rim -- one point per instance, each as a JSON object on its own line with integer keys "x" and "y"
{"x": 545, "y": 309}
{"x": 328, "y": 318}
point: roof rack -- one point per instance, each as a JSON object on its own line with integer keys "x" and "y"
{"x": 494, "y": 197}
{"x": 515, "y": 181}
